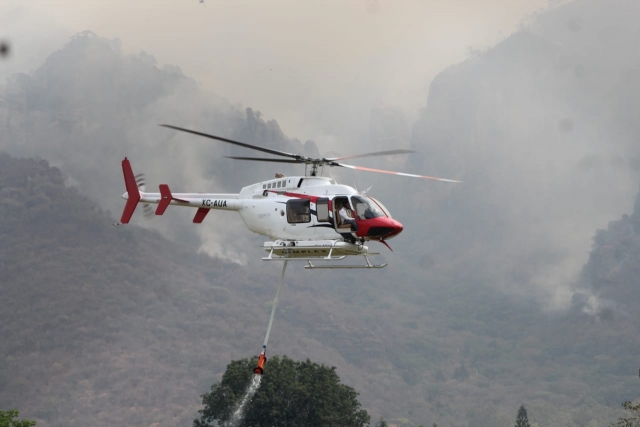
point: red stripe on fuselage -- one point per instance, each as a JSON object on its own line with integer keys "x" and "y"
{"x": 297, "y": 195}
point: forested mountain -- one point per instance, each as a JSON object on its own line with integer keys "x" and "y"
{"x": 485, "y": 304}
{"x": 89, "y": 105}
{"x": 541, "y": 129}
{"x": 109, "y": 325}
{"x": 613, "y": 270}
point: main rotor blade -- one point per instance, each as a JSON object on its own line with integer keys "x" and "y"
{"x": 231, "y": 141}
{"x": 362, "y": 168}
{"x": 259, "y": 159}
{"x": 378, "y": 153}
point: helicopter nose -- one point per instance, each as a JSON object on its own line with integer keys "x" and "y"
{"x": 397, "y": 228}
{"x": 385, "y": 228}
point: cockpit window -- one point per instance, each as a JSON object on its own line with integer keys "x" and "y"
{"x": 364, "y": 208}
{"x": 381, "y": 206}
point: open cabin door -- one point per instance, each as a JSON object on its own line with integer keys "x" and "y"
{"x": 340, "y": 226}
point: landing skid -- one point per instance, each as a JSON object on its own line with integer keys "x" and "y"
{"x": 367, "y": 265}
{"x": 318, "y": 250}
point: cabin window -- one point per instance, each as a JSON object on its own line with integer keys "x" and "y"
{"x": 264, "y": 186}
{"x": 279, "y": 184}
{"x": 322, "y": 210}
{"x": 298, "y": 211}
{"x": 269, "y": 185}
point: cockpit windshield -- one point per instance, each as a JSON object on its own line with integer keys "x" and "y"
{"x": 364, "y": 208}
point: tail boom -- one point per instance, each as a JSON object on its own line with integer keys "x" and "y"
{"x": 202, "y": 201}
{"x": 223, "y": 202}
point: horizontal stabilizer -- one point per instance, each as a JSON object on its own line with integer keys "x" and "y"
{"x": 202, "y": 212}
{"x": 165, "y": 199}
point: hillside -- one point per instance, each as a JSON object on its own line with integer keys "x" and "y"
{"x": 613, "y": 268}
{"x": 113, "y": 325}
{"x": 91, "y": 312}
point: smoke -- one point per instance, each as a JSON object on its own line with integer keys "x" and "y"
{"x": 541, "y": 129}
{"x": 28, "y": 48}
{"x": 89, "y": 105}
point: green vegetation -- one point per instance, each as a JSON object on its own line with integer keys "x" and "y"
{"x": 7, "y": 419}
{"x": 632, "y": 419}
{"x": 291, "y": 394}
{"x": 522, "y": 420}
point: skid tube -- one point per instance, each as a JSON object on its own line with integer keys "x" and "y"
{"x": 367, "y": 265}
{"x": 295, "y": 252}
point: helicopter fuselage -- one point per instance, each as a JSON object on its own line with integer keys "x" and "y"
{"x": 291, "y": 208}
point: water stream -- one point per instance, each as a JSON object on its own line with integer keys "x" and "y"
{"x": 238, "y": 412}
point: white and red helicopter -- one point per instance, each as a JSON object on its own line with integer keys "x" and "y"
{"x": 300, "y": 213}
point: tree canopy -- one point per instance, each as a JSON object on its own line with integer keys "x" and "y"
{"x": 522, "y": 420}
{"x": 292, "y": 393}
{"x": 630, "y": 421}
{"x": 7, "y": 419}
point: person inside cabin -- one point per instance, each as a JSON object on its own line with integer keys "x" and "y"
{"x": 347, "y": 216}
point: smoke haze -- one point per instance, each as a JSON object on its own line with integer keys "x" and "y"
{"x": 539, "y": 127}
{"x": 316, "y": 67}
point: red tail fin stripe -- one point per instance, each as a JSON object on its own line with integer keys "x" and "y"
{"x": 200, "y": 214}
{"x": 165, "y": 199}
{"x": 132, "y": 192}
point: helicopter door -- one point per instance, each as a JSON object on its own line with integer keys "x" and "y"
{"x": 341, "y": 227}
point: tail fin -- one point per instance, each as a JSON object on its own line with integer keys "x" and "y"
{"x": 165, "y": 199}
{"x": 133, "y": 194}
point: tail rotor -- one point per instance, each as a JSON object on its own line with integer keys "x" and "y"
{"x": 146, "y": 207}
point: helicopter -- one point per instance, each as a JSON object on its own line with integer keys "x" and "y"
{"x": 310, "y": 218}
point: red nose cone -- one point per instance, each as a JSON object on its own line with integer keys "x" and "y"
{"x": 397, "y": 227}
{"x": 380, "y": 228}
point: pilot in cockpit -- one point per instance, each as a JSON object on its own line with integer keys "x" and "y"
{"x": 347, "y": 216}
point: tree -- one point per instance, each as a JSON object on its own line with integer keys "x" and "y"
{"x": 7, "y": 419}
{"x": 291, "y": 393}
{"x": 633, "y": 421}
{"x": 522, "y": 420}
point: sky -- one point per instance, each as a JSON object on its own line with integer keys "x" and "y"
{"x": 317, "y": 67}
